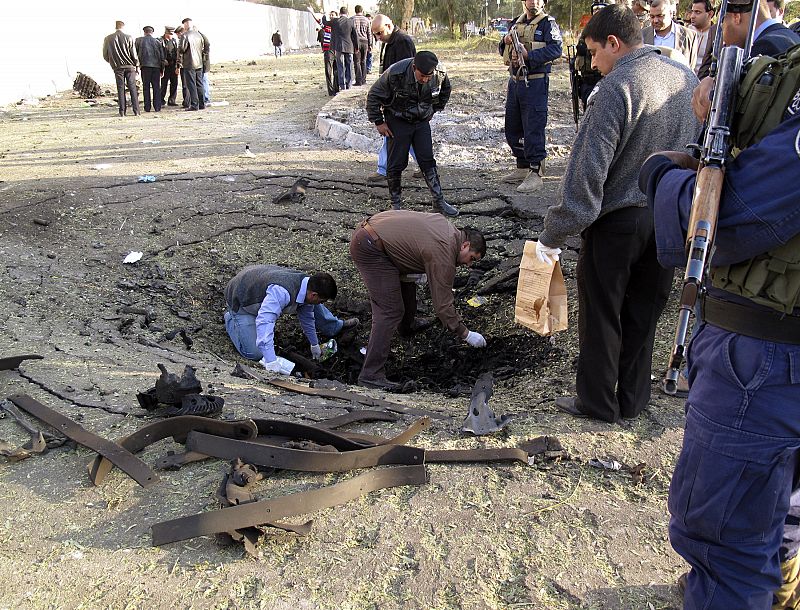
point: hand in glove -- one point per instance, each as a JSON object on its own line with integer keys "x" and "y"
{"x": 316, "y": 352}
{"x": 475, "y": 339}
{"x": 547, "y": 254}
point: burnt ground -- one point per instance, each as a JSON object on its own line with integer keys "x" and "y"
{"x": 553, "y": 536}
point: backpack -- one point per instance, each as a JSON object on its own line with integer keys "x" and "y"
{"x": 767, "y": 94}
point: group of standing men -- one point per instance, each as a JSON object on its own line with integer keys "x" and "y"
{"x": 183, "y": 51}
{"x": 346, "y": 46}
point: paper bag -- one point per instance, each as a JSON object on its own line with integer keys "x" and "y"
{"x": 541, "y": 294}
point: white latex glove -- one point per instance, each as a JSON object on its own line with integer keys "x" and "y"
{"x": 545, "y": 254}
{"x": 316, "y": 352}
{"x": 475, "y": 339}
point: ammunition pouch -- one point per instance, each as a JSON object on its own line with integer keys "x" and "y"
{"x": 769, "y": 87}
{"x": 771, "y": 279}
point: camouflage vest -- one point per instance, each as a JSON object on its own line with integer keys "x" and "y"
{"x": 771, "y": 279}
{"x": 526, "y": 33}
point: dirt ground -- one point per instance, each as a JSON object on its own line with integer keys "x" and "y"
{"x": 557, "y": 535}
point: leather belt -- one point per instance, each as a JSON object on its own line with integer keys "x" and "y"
{"x": 530, "y": 76}
{"x": 375, "y": 239}
{"x": 757, "y": 323}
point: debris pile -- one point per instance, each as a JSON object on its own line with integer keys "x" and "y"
{"x": 86, "y": 86}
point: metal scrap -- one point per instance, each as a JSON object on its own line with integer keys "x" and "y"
{"x": 12, "y": 362}
{"x": 125, "y": 460}
{"x": 481, "y": 419}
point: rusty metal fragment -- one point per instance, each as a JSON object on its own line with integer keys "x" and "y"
{"x": 120, "y": 457}
{"x": 274, "y": 509}
{"x": 176, "y": 427}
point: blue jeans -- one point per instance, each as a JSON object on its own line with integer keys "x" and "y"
{"x": 383, "y": 155}
{"x": 241, "y": 329}
{"x": 526, "y": 119}
{"x": 345, "y": 69}
{"x": 278, "y": 51}
{"x": 206, "y": 89}
{"x": 731, "y": 489}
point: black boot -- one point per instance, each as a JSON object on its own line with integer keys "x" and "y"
{"x": 439, "y": 204}
{"x": 394, "y": 181}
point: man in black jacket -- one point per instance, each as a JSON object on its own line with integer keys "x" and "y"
{"x": 120, "y": 53}
{"x": 170, "y": 76}
{"x": 397, "y": 44}
{"x": 151, "y": 59}
{"x": 401, "y": 104}
{"x": 345, "y": 43}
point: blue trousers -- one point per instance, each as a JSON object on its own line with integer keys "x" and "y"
{"x": 241, "y": 327}
{"x": 383, "y": 155}
{"x": 345, "y": 69}
{"x": 206, "y": 89}
{"x": 731, "y": 489}
{"x": 526, "y": 119}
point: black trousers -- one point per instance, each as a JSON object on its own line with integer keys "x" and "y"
{"x": 405, "y": 136}
{"x": 170, "y": 78}
{"x": 360, "y": 61}
{"x": 126, "y": 76}
{"x": 151, "y": 80}
{"x": 331, "y": 80}
{"x": 622, "y": 291}
{"x": 194, "y": 82}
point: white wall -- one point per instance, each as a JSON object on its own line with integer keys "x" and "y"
{"x": 43, "y": 44}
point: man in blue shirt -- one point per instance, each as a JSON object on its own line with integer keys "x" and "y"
{"x": 258, "y": 295}
{"x": 731, "y": 489}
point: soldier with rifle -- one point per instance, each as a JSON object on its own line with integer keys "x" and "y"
{"x": 583, "y": 78}
{"x": 733, "y": 481}
{"x": 530, "y": 47}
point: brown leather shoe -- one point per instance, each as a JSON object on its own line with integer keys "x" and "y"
{"x": 379, "y": 384}
{"x": 568, "y": 404}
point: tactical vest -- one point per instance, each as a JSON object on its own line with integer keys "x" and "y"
{"x": 771, "y": 279}
{"x": 767, "y": 93}
{"x": 769, "y": 89}
{"x": 527, "y": 36}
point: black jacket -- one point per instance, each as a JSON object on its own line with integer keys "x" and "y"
{"x": 150, "y": 52}
{"x": 170, "y": 52}
{"x": 399, "y": 46}
{"x": 397, "y": 93}
{"x": 773, "y": 41}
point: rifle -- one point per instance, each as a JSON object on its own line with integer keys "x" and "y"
{"x": 522, "y": 55}
{"x": 714, "y": 153}
{"x": 574, "y": 82}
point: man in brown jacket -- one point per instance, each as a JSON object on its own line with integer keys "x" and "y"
{"x": 396, "y": 243}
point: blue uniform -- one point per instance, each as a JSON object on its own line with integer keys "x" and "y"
{"x": 526, "y": 106}
{"x": 731, "y": 489}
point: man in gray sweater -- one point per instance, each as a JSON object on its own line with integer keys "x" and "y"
{"x": 642, "y": 104}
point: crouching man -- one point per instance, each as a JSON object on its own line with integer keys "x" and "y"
{"x": 259, "y": 294}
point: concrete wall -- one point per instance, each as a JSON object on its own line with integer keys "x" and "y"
{"x": 44, "y": 44}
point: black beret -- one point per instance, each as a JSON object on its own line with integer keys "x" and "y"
{"x": 148, "y": 27}
{"x": 425, "y": 62}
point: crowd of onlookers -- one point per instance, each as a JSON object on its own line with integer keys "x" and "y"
{"x": 180, "y": 52}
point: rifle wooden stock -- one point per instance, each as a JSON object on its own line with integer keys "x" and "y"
{"x": 705, "y": 204}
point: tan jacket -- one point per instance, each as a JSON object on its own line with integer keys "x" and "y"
{"x": 685, "y": 41}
